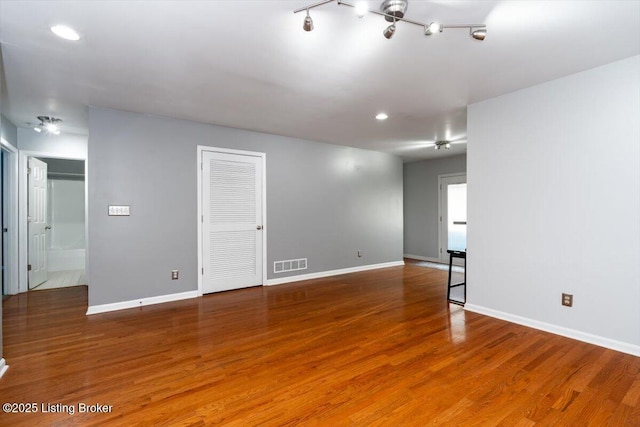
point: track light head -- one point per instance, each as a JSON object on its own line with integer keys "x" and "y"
{"x": 308, "y": 22}
{"x": 394, "y": 9}
{"x": 361, "y": 8}
{"x": 432, "y": 28}
{"x": 389, "y": 31}
{"x": 478, "y": 34}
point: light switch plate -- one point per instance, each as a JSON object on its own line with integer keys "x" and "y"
{"x": 119, "y": 210}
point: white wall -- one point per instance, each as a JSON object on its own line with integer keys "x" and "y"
{"x": 66, "y": 145}
{"x": 554, "y": 205}
{"x": 66, "y": 210}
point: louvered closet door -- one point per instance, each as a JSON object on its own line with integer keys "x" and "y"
{"x": 232, "y": 221}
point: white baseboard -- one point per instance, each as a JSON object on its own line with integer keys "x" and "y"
{"x": 322, "y": 274}
{"x": 558, "y": 330}
{"x": 103, "y": 308}
{"x": 423, "y": 258}
{"x": 3, "y": 367}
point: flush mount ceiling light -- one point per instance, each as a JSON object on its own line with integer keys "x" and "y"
{"x": 446, "y": 144}
{"x": 394, "y": 10}
{"x": 382, "y": 116}
{"x": 65, "y": 32}
{"x": 442, "y": 144}
{"x": 49, "y": 125}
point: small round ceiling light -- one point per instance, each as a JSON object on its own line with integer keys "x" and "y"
{"x": 65, "y": 32}
{"x": 382, "y": 116}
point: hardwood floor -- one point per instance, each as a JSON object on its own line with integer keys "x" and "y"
{"x": 373, "y": 348}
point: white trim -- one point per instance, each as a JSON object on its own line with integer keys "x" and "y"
{"x": 103, "y": 308}
{"x": 558, "y": 330}
{"x": 3, "y": 367}
{"x": 322, "y": 274}
{"x": 263, "y": 156}
{"x": 13, "y": 247}
{"x": 424, "y": 258}
{"x": 23, "y": 256}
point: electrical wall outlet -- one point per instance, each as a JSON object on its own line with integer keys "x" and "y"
{"x": 567, "y": 300}
{"x": 359, "y": 254}
{"x": 174, "y": 274}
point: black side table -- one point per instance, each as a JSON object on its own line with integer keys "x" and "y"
{"x": 452, "y": 255}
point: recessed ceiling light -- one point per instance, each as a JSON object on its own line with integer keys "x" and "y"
{"x": 65, "y": 32}
{"x": 382, "y": 116}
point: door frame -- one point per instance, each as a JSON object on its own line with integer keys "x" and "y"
{"x": 23, "y": 212}
{"x": 442, "y": 255}
{"x": 263, "y": 156}
{"x": 11, "y": 186}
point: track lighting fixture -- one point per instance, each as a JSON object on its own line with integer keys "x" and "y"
{"x": 308, "y": 22}
{"x": 48, "y": 124}
{"x": 393, "y": 11}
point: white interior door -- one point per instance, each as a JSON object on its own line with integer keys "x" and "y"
{"x": 37, "y": 222}
{"x": 232, "y": 204}
{"x": 453, "y": 218}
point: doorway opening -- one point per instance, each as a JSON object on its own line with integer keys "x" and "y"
{"x": 453, "y": 215}
{"x": 56, "y": 223}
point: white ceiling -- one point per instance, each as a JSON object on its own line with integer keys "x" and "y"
{"x": 249, "y": 64}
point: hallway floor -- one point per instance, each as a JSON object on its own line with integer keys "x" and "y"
{"x": 63, "y": 279}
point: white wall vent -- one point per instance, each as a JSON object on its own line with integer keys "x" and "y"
{"x": 290, "y": 265}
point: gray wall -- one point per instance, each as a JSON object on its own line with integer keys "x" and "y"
{"x": 554, "y": 202}
{"x": 324, "y": 202}
{"x": 421, "y": 203}
{"x": 9, "y": 131}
